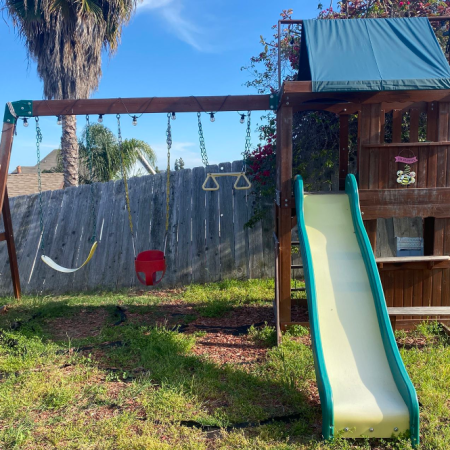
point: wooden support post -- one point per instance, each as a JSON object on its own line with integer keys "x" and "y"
{"x": 369, "y": 133}
{"x": 9, "y": 235}
{"x": 5, "y": 154}
{"x": 343, "y": 150}
{"x": 284, "y": 188}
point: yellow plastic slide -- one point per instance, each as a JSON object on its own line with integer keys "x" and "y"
{"x": 358, "y": 365}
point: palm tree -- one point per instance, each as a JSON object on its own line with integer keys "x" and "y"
{"x": 106, "y": 162}
{"x": 66, "y": 39}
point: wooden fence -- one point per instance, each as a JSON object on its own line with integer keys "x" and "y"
{"x": 206, "y": 241}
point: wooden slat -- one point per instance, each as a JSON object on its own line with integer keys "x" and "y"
{"x": 408, "y": 287}
{"x": 212, "y": 249}
{"x": 240, "y": 211}
{"x": 176, "y": 197}
{"x": 404, "y": 259}
{"x": 184, "y": 253}
{"x": 343, "y": 150}
{"x": 106, "y": 225}
{"x": 414, "y": 125}
{"x": 364, "y": 119}
{"x": 400, "y": 145}
{"x": 419, "y": 311}
{"x": 405, "y": 203}
{"x": 198, "y": 226}
{"x": 399, "y": 290}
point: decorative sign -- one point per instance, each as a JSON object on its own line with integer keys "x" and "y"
{"x": 402, "y": 159}
{"x": 406, "y": 177}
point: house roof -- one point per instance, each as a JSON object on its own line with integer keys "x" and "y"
{"x": 47, "y": 163}
{"x": 27, "y": 183}
{"x": 358, "y": 55}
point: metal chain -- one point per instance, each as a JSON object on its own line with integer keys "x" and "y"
{"x": 41, "y": 209}
{"x": 202, "y": 140}
{"x": 169, "y": 146}
{"x": 91, "y": 179}
{"x": 125, "y": 182}
{"x": 248, "y": 141}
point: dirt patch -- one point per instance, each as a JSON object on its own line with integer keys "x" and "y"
{"x": 85, "y": 324}
{"x": 228, "y": 349}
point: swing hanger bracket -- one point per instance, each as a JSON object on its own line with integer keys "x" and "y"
{"x": 14, "y": 110}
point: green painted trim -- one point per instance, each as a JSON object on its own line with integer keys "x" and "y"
{"x": 21, "y": 108}
{"x": 274, "y": 100}
{"x": 401, "y": 378}
{"x": 323, "y": 382}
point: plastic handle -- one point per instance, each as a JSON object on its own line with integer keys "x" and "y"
{"x": 215, "y": 188}
{"x": 242, "y": 188}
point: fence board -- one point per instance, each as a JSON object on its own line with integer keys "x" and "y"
{"x": 212, "y": 249}
{"x": 198, "y": 226}
{"x": 241, "y": 250}
{"x": 176, "y": 197}
{"x": 105, "y": 222}
{"x": 184, "y": 254}
{"x": 207, "y": 240}
{"x": 226, "y": 249}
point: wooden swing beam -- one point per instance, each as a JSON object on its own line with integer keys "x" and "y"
{"x": 40, "y": 108}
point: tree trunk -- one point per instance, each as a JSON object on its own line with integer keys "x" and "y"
{"x": 69, "y": 150}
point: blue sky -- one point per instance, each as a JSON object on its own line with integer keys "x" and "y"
{"x": 170, "y": 48}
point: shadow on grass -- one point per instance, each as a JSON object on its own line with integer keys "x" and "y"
{"x": 173, "y": 384}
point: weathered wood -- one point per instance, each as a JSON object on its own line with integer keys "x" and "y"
{"x": 176, "y": 197}
{"x": 407, "y": 145}
{"x": 343, "y": 150}
{"x": 9, "y": 237}
{"x": 198, "y": 226}
{"x": 150, "y": 105}
{"x": 414, "y": 125}
{"x": 419, "y": 311}
{"x": 240, "y": 215}
{"x": 212, "y": 249}
{"x": 184, "y": 253}
{"x": 385, "y": 203}
{"x": 226, "y": 248}
{"x": 284, "y": 186}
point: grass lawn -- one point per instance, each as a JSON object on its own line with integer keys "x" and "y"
{"x": 181, "y": 369}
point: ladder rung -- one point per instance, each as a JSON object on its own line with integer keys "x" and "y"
{"x": 298, "y": 289}
{"x": 2, "y": 237}
{"x": 295, "y": 243}
{"x": 296, "y": 266}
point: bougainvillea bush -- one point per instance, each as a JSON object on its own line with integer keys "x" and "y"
{"x": 315, "y": 133}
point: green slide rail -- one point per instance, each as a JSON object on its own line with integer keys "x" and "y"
{"x": 323, "y": 382}
{"x": 401, "y": 378}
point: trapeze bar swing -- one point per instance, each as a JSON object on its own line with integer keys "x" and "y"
{"x": 46, "y": 259}
{"x": 213, "y": 176}
{"x": 216, "y": 186}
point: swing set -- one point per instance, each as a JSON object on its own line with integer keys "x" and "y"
{"x": 150, "y": 265}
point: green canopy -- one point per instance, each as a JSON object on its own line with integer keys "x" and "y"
{"x": 372, "y": 55}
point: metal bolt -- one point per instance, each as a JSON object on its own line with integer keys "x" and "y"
{"x": 345, "y": 429}
{"x": 271, "y": 96}
{"x": 370, "y": 429}
{"x": 395, "y": 429}
{"x": 271, "y": 107}
{"x": 22, "y": 107}
{"x": 287, "y": 103}
{"x": 8, "y": 120}
{"x": 287, "y": 98}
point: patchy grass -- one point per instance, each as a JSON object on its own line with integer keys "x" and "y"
{"x": 74, "y": 376}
